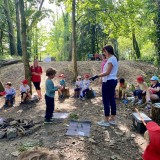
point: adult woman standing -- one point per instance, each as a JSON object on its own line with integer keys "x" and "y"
{"x": 109, "y": 82}
{"x": 36, "y": 72}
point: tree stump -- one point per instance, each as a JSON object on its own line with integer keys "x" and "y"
{"x": 155, "y": 112}
{"x": 65, "y": 92}
{"x": 1, "y": 87}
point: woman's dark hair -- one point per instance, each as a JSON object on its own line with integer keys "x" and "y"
{"x": 110, "y": 50}
{"x": 121, "y": 80}
{"x": 104, "y": 55}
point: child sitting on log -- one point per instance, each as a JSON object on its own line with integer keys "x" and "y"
{"x": 85, "y": 87}
{"x": 25, "y": 91}
{"x": 153, "y": 92}
{"x": 78, "y": 86}
{"x": 10, "y": 94}
{"x": 122, "y": 85}
{"x": 62, "y": 84}
{"x": 140, "y": 91}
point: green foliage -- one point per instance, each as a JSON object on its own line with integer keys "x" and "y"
{"x": 98, "y": 22}
{"x": 73, "y": 116}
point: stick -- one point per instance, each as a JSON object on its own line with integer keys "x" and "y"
{"x": 140, "y": 116}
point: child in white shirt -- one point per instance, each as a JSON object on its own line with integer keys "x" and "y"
{"x": 25, "y": 90}
{"x": 85, "y": 88}
{"x": 78, "y": 86}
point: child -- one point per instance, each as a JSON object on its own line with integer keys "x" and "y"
{"x": 122, "y": 88}
{"x": 62, "y": 84}
{"x": 104, "y": 60}
{"x": 78, "y": 86}
{"x": 152, "y": 151}
{"x": 25, "y": 91}
{"x": 10, "y": 94}
{"x": 50, "y": 93}
{"x": 139, "y": 92}
{"x": 85, "y": 88}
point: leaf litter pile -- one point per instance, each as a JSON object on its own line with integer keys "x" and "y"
{"x": 120, "y": 142}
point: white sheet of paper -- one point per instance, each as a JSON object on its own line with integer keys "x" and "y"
{"x": 81, "y": 133}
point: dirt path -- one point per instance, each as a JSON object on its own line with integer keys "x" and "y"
{"x": 121, "y": 141}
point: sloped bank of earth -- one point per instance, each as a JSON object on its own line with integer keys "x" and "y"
{"x": 119, "y": 142}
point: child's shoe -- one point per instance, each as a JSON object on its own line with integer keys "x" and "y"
{"x": 83, "y": 98}
{"x": 61, "y": 96}
{"x": 139, "y": 102}
{"x": 134, "y": 101}
{"x": 148, "y": 107}
{"x": 48, "y": 121}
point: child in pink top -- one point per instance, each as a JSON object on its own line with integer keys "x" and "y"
{"x": 104, "y": 60}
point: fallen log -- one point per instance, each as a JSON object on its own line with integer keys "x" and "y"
{"x": 5, "y": 63}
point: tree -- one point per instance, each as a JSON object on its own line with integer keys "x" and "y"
{"x": 74, "y": 60}
{"x": 24, "y": 42}
{"x": 19, "y": 48}
{"x": 12, "y": 40}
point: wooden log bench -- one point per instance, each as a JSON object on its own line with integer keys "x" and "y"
{"x": 155, "y": 112}
{"x": 65, "y": 92}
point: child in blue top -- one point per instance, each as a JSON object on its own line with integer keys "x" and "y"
{"x": 50, "y": 93}
{"x": 62, "y": 84}
{"x": 10, "y": 93}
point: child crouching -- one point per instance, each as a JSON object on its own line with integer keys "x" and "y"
{"x": 122, "y": 88}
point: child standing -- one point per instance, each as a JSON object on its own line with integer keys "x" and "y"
{"x": 25, "y": 90}
{"x": 50, "y": 93}
{"x": 78, "y": 86}
{"x": 62, "y": 84}
{"x": 10, "y": 94}
{"x": 85, "y": 88}
{"x": 122, "y": 88}
{"x": 139, "y": 92}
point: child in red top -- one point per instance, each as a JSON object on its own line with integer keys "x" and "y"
{"x": 152, "y": 151}
{"x": 36, "y": 72}
{"x": 25, "y": 90}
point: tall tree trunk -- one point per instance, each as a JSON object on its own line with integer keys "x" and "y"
{"x": 19, "y": 47}
{"x": 74, "y": 61}
{"x": 158, "y": 34}
{"x": 1, "y": 43}
{"x": 135, "y": 44}
{"x": 93, "y": 38}
{"x": 12, "y": 39}
{"x": 24, "y": 42}
{"x": 115, "y": 44}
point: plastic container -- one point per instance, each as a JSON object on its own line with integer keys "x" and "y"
{"x": 138, "y": 124}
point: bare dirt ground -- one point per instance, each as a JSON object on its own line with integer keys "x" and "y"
{"x": 120, "y": 142}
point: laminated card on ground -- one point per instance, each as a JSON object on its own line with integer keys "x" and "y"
{"x": 59, "y": 115}
{"x": 79, "y": 128}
